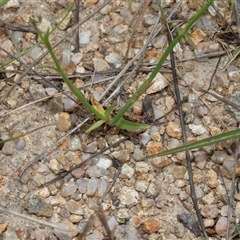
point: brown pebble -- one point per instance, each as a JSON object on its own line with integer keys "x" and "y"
{"x": 151, "y": 226}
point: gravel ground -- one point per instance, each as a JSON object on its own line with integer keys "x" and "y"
{"x": 138, "y": 199}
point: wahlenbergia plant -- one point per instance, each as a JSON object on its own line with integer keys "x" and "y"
{"x": 103, "y": 115}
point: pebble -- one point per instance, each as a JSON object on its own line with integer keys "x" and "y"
{"x": 38, "y": 206}
{"x": 20, "y": 144}
{"x": 100, "y": 64}
{"x": 148, "y": 19}
{"x": 126, "y": 232}
{"x": 115, "y": 59}
{"x": 74, "y": 144}
{"x": 224, "y": 211}
{"x": 68, "y": 189}
{"x": 102, "y": 187}
{"x": 161, "y": 162}
{"x": 63, "y": 121}
{"x": 221, "y": 226}
{"x": 68, "y": 105}
{"x": 37, "y": 91}
{"x": 10, "y": 235}
{"x": 128, "y": 196}
{"x": 8, "y": 148}
{"x": 141, "y": 186}
{"x": 209, "y": 211}
{"x": 78, "y": 173}
{"x": 74, "y": 207}
{"x": 73, "y": 218}
{"x": 55, "y": 166}
{"x": 3, "y": 226}
{"x": 43, "y": 192}
{"x": 142, "y": 167}
{"x": 160, "y": 41}
{"x": 227, "y": 166}
{"x": 158, "y": 85}
{"x": 122, "y": 215}
{"x": 197, "y": 129}
{"x": 151, "y": 226}
{"x": 64, "y": 235}
{"x": 145, "y": 138}
{"x": 209, "y": 198}
{"x": 104, "y": 162}
{"x": 112, "y": 222}
{"x": 126, "y": 171}
{"x": 92, "y": 186}
{"x": 95, "y": 171}
{"x": 121, "y": 155}
{"x": 208, "y": 222}
{"x": 91, "y": 147}
{"x": 212, "y": 179}
{"x": 154, "y": 148}
{"x": 174, "y": 130}
{"x": 82, "y": 184}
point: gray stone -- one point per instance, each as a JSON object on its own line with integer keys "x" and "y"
{"x": 68, "y": 189}
{"x": 91, "y": 147}
{"x": 37, "y": 91}
{"x": 92, "y": 186}
{"x": 141, "y": 185}
{"x": 8, "y": 148}
{"x": 82, "y": 184}
{"x": 128, "y": 197}
{"x": 38, "y": 206}
{"x": 126, "y": 232}
{"x": 95, "y": 171}
{"x": 74, "y": 207}
{"x": 126, "y": 171}
{"x": 142, "y": 167}
{"x": 74, "y": 144}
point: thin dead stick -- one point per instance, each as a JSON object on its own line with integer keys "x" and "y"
{"x": 54, "y": 46}
{"x": 5, "y": 210}
{"x": 189, "y": 166}
{"x": 83, "y": 162}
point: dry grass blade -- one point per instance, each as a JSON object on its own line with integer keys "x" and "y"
{"x": 33, "y": 219}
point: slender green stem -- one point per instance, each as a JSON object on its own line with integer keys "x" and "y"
{"x": 148, "y": 82}
{"x": 59, "y": 69}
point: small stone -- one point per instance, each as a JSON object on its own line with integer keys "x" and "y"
{"x": 68, "y": 104}
{"x": 56, "y": 105}
{"x": 126, "y": 232}
{"x": 78, "y": 173}
{"x": 91, "y": 147}
{"x": 183, "y": 196}
{"x": 154, "y": 148}
{"x": 12, "y": 4}
{"x": 95, "y": 171}
{"x": 178, "y": 172}
{"x": 142, "y": 167}
{"x": 44, "y": 192}
{"x": 55, "y": 166}
{"x": 212, "y": 179}
{"x": 151, "y": 226}
{"x": 174, "y": 130}
{"x": 145, "y": 138}
{"x": 160, "y": 41}
{"x": 209, "y": 211}
{"x": 82, "y": 184}
{"x": 104, "y": 162}
{"x": 3, "y": 226}
{"x": 102, "y": 187}
{"x": 73, "y": 218}
{"x": 126, "y": 171}
{"x": 228, "y": 165}
{"x": 149, "y": 19}
{"x": 74, "y": 144}
{"x": 224, "y": 211}
{"x": 197, "y": 129}
{"x": 74, "y": 207}
{"x": 221, "y": 226}
{"x": 208, "y": 198}
{"x": 68, "y": 189}
{"x": 65, "y": 235}
{"x": 38, "y": 206}
{"x": 10, "y": 235}
{"x": 237, "y": 210}
{"x": 208, "y": 222}
{"x": 122, "y": 215}
{"x": 237, "y": 196}
{"x": 91, "y": 2}
{"x": 161, "y": 162}
{"x": 128, "y": 197}
{"x": 37, "y": 91}
{"x": 158, "y": 85}
{"x": 141, "y": 186}
{"x": 100, "y": 64}
{"x": 8, "y": 148}
{"x": 92, "y": 186}
{"x": 63, "y": 122}
{"x": 121, "y": 155}
{"x": 115, "y": 59}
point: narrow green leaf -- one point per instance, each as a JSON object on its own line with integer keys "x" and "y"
{"x": 202, "y": 143}
{"x": 2, "y": 2}
{"x": 95, "y": 125}
{"x": 127, "y": 125}
{"x": 110, "y": 109}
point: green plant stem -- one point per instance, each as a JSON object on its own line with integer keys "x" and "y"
{"x": 59, "y": 69}
{"x": 202, "y": 143}
{"x": 150, "y": 79}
